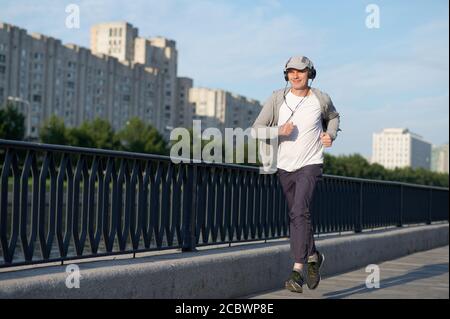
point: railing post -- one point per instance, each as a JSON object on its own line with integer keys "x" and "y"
{"x": 189, "y": 217}
{"x": 358, "y": 226}
{"x": 400, "y": 217}
{"x": 430, "y": 207}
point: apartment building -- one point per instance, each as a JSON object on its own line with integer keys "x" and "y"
{"x": 185, "y": 108}
{"x": 398, "y": 147}
{"x": 113, "y": 81}
{"x": 121, "y": 40}
{"x": 222, "y": 109}
{"x": 114, "y": 39}
{"x": 43, "y": 77}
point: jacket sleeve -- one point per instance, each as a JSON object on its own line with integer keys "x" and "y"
{"x": 264, "y": 126}
{"x": 332, "y": 119}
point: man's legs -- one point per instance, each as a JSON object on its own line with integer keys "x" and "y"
{"x": 301, "y": 229}
{"x": 298, "y": 188}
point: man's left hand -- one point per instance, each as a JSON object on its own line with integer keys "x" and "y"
{"x": 326, "y": 139}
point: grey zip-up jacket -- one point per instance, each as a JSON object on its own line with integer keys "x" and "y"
{"x": 268, "y": 117}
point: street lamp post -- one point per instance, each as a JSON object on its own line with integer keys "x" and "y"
{"x": 27, "y": 114}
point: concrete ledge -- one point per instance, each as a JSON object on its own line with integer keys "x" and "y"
{"x": 217, "y": 273}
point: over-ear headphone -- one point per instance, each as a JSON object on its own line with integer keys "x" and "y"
{"x": 311, "y": 70}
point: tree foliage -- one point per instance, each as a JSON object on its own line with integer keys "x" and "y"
{"x": 12, "y": 123}
{"x": 356, "y": 165}
{"x": 139, "y": 137}
{"x": 54, "y": 131}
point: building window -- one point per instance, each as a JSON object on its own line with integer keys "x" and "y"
{"x": 36, "y": 98}
{"x": 2, "y": 69}
{"x": 2, "y": 58}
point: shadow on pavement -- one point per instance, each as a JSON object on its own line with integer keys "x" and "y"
{"x": 423, "y": 272}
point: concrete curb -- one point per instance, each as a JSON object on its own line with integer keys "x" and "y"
{"x": 217, "y": 273}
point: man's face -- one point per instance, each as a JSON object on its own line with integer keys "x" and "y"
{"x": 298, "y": 78}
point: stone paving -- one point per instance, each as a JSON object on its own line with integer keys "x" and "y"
{"x": 420, "y": 275}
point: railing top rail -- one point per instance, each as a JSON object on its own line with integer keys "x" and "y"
{"x": 142, "y": 156}
{"x": 364, "y": 180}
{"x": 114, "y": 153}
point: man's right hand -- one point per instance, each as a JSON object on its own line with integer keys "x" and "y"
{"x": 286, "y": 129}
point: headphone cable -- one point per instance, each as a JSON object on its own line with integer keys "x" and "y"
{"x": 299, "y": 104}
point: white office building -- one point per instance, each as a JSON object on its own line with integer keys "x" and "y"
{"x": 439, "y": 159}
{"x": 398, "y": 147}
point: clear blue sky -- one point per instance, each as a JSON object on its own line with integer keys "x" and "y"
{"x": 394, "y": 76}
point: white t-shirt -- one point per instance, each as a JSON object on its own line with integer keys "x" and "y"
{"x": 303, "y": 146}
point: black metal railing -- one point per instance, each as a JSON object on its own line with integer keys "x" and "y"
{"x": 78, "y": 203}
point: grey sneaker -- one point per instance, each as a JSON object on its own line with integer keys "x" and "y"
{"x": 295, "y": 282}
{"x": 315, "y": 263}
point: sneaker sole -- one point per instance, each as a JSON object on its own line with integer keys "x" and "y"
{"x": 293, "y": 287}
{"x": 320, "y": 277}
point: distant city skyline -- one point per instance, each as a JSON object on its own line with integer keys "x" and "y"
{"x": 393, "y": 76}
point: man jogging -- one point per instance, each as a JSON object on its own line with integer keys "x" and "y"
{"x": 304, "y": 120}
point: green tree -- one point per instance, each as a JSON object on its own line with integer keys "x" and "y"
{"x": 78, "y": 136}
{"x": 101, "y": 133}
{"x": 357, "y": 166}
{"x": 54, "y": 131}
{"x": 346, "y": 165}
{"x": 139, "y": 137}
{"x": 211, "y": 144}
{"x": 12, "y": 123}
{"x": 183, "y": 145}
{"x": 376, "y": 171}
